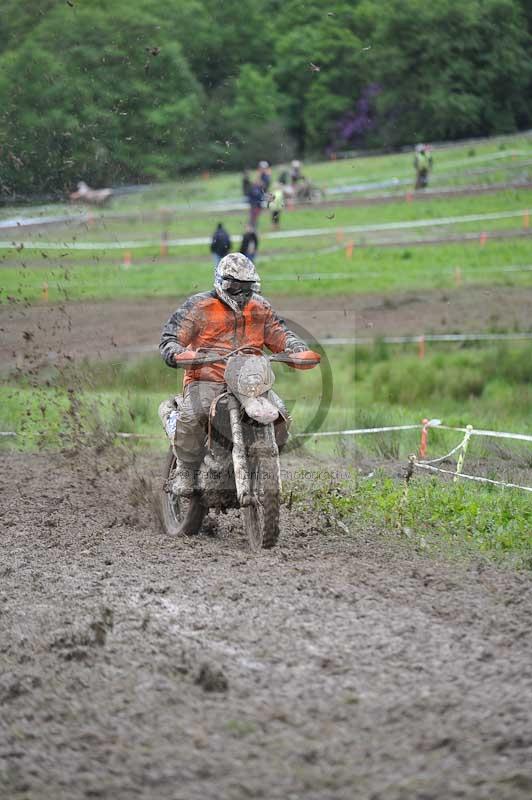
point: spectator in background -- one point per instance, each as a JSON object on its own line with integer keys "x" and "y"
{"x": 246, "y": 183}
{"x": 264, "y": 175}
{"x": 255, "y": 198}
{"x": 220, "y": 244}
{"x": 423, "y": 165}
{"x": 276, "y": 205}
{"x": 250, "y": 243}
{"x": 295, "y": 172}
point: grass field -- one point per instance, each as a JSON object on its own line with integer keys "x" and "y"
{"x": 453, "y": 165}
{"x": 370, "y": 269}
{"x": 195, "y": 223}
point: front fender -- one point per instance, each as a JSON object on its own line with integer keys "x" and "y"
{"x": 261, "y": 409}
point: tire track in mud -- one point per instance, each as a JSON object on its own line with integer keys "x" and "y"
{"x": 134, "y": 665}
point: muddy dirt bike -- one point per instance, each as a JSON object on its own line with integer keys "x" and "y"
{"x": 241, "y": 467}
{"x": 307, "y": 192}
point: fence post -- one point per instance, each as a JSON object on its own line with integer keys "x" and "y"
{"x": 424, "y": 438}
{"x": 463, "y": 451}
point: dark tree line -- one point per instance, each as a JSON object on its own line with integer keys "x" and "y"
{"x": 135, "y": 89}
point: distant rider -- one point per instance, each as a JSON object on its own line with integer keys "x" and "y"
{"x": 232, "y": 315}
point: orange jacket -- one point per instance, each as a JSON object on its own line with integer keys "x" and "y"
{"x": 206, "y": 321}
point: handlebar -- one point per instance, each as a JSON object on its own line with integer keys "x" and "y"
{"x": 198, "y": 358}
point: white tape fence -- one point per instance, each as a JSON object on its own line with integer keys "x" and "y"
{"x": 417, "y": 462}
{"x": 436, "y": 222}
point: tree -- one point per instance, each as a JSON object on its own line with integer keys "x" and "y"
{"x": 98, "y": 94}
{"x": 450, "y": 69}
{"x": 251, "y": 125}
{"x": 122, "y": 91}
{"x": 321, "y": 66}
{"x": 218, "y": 38}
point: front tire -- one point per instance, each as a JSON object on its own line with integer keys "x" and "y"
{"x": 261, "y": 517}
{"x": 180, "y": 516}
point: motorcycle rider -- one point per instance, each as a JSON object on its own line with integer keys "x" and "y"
{"x": 231, "y": 315}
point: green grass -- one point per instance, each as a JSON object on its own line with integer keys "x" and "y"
{"x": 369, "y": 270}
{"x": 459, "y": 520}
{"x": 489, "y": 387}
{"x": 453, "y": 166}
{"x": 195, "y": 224}
{"x": 400, "y": 165}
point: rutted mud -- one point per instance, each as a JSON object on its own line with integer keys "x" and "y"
{"x": 41, "y": 333}
{"x": 335, "y": 666}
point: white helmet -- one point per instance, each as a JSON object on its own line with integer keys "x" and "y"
{"x": 238, "y": 267}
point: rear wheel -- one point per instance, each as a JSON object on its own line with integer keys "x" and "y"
{"x": 261, "y": 517}
{"x": 316, "y": 195}
{"x": 180, "y": 516}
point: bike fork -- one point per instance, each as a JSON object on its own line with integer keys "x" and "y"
{"x": 240, "y": 463}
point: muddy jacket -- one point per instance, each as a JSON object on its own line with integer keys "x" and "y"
{"x": 206, "y": 321}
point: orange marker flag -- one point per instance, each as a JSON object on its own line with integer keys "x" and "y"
{"x": 424, "y": 438}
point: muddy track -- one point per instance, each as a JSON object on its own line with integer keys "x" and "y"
{"x": 36, "y": 335}
{"x": 336, "y": 666}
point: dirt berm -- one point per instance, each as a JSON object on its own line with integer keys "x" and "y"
{"x": 338, "y": 665}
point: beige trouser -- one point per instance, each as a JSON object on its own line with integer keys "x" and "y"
{"x": 193, "y": 416}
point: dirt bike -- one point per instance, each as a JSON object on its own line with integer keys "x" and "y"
{"x": 307, "y": 192}
{"x": 241, "y": 467}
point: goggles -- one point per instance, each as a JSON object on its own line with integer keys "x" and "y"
{"x": 234, "y": 286}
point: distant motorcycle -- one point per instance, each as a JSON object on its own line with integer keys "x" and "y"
{"x": 303, "y": 192}
{"x": 94, "y": 197}
{"x": 307, "y": 192}
{"x": 241, "y": 468}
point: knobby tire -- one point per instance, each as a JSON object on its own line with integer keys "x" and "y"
{"x": 180, "y": 516}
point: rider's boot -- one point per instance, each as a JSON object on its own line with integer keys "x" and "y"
{"x": 184, "y": 479}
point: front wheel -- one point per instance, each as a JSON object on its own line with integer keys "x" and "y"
{"x": 261, "y": 517}
{"x": 180, "y": 516}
